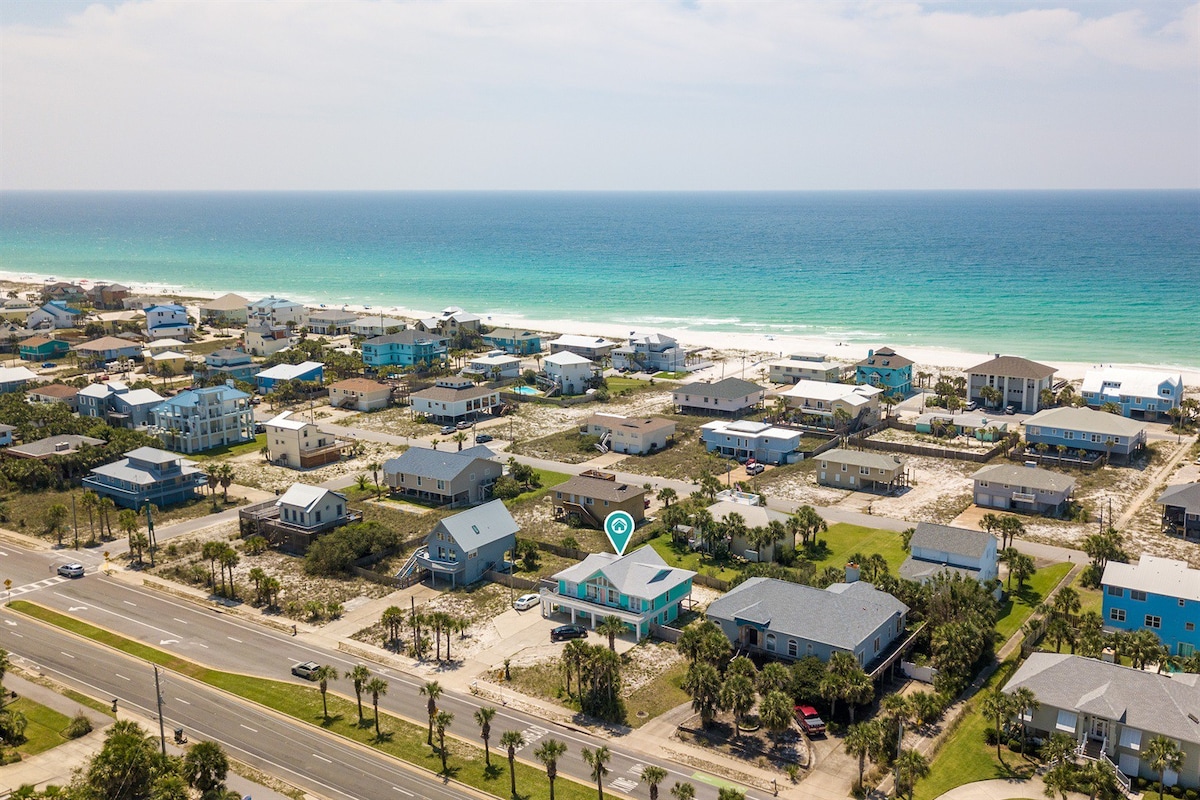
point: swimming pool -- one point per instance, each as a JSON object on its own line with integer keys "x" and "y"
{"x": 525, "y": 390}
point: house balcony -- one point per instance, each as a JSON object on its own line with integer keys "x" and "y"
{"x": 593, "y": 611}
{"x": 439, "y": 566}
{"x": 1024, "y": 497}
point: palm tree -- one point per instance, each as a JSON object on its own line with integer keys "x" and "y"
{"x": 807, "y": 522}
{"x": 375, "y": 466}
{"x": 997, "y": 707}
{"x": 54, "y": 519}
{"x": 859, "y": 689}
{"x": 359, "y": 675}
{"x": 703, "y": 683}
{"x": 652, "y": 775}
{"x": 512, "y": 741}
{"x": 861, "y": 740}
{"x": 737, "y": 695}
{"x": 597, "y": 761}
{"x": 323, "y": 675}
{"x": 376, "y": 687}
{"x": 205, "y": 767}
{"x": 548, "y": 753}
{"x": 683, "y": 791}
{"x": 610, "y": 626}
{"x": 89, "y": 501}
{"x": 1024, "y": 703}
{"x": 432, "y": 690}
{"x": 441, "y": 722}
{"x": 666, "y": 495}
{"x": 1163, "y": 756}
{"x": 776, "y": 711}
{"x": 911, "y": 766}
{"x": 484, "y": 717}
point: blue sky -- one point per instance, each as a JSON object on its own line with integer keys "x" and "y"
{"x": 170, "y": 94}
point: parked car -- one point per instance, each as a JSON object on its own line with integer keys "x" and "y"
{"x": 260, "y": 428}
{"x": 49, "y": 365}
{"x": 527, "y": 601}
{"x": 1010, "y": 410}
{"x": 448, "y": 430}
{"x": 810, "y": 721}
{"x": 755, "y": 469}
{"x": 971, "y": 406}
{"x": 483, "y": 437}
{"x": 71, "y": 570}
{"x": 464, "y": 425}
{"x": 564, "y": 632}
{"x": 306, "y": 670}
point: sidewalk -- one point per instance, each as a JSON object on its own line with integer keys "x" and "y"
{"x": 1002, "y": 790}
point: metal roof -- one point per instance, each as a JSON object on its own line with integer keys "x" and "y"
{"x": 479, "y": 526}
{"x": 1155, "y": 575}
{"x": 1033, "y": 477}
{"x": 443, "y": 465}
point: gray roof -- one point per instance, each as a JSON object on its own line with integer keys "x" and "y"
{"x": 1147, "y": 701}
{"x": 153, "y": 455}
{"x": 842, "y": 616}
{"x": 726, "y": 389}
{"x": 442, "y": 465}
{"x": 406, "y": 337}
{"x": 861, "y": 458}
{"x": 950, "y": 539}
{"x": 1085, "y": 419}
{"x": 49, "y": 446}
{"x": 479, "y": 526}
{"x": 1184, "y": 495}
{"x": 1033, "y": 477}
{"x": 124, "y": 470}
{"x": 914, "y": 569}
{"x": 642, "y": 573}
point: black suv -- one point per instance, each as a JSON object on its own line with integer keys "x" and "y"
{"x": 564, "y": 632}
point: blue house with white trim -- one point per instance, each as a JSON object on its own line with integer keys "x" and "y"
{"x": 885, "y": 369}
{"x": 1085, "y": 429}
{"x": 404, "y": 349}
{"x": 1140, "y": 394}
{"x": 147, "y": 474}
{"x": 308, "y": 371}
{"x": 1159, "y": 594}
{"x": 167, "y": 322}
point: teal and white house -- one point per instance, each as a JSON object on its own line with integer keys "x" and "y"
{"x": 404, "y": 349}
{"x": 1159, "y": 594}
{"x": 637, "y": 588}
{"x": 886, "y": 370}
{"x": 514, "y": 341}
{"x": 1140, "y": 394}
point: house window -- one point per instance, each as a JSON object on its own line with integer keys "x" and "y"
{"x": 1116, "y": 614}
{"x": 876, "y": 644}
{"x": 1153, "y": 621}
{"x": 1189, "y": 626}
{"x": 1068, "y": 434}
{"x": 771, "y": 642}
{"x": 793, "y": 648}
{"x": 1182, "y": 602}
{"x": 318, "y": 516}
{"x": 1066, "y": 721}
{"x": 864, "y": 470}
{"x": 1131, "y": 738}
{"x": 1138, "y": 595}
{"x": 1116, "y": 591}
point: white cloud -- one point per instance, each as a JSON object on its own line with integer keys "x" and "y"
{"x": 591, "y": 95}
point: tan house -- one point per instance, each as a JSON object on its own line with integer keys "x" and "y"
{"x": 116, "y": 321}
{"x": 54, "y": 393}
{"x": 455, "y": 398}
{"x": 593, "y": 495}
{"x": 804, "y": 366}
{"x": 228, "y": 309}
{"x": 360, "y": 393}
{"x": 167, "y": 362}
{"x": 634, "y": 435}
{"x": 443, "y": 477}
{"x": 728, "y": 397}
{"x": 298, "y": 444}
{"x": 1019, "y": 381}
{"x": 861, "y": 470}
{"x": 264, "y": 340}
{"x": 821, "y": 399}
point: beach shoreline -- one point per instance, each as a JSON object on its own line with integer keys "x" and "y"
{"x": 728, "y": 346}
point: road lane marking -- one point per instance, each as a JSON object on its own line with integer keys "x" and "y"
{"x": 18, "y": 635}
{"x": 232, "y": 639}
{"x": 65, "y": 653}
{"x": 185, "y": 702}
{"x": 181, "y": 622}
{"x": 403, "y": 791}
{"x": 247, "y": 727}
{"x": 122, "y": 677}
{"x": 125, "y": 618}
{"x": 126, "y": 602}
{"x": 323, "y": 758}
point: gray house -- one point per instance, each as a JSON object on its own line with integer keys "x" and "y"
{"x": 1114, "y": 711}
{"x": 791, "y": 621}
{"x": 468, "y": 544}
{"x": 443, "y": 477}
{"x": 1181, "y": 510}
{"x": 1085, "y": 429}
{"x": 1023, "y": 488}
{"x": 944, "y": 548}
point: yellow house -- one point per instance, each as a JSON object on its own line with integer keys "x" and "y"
{"x": 170, "y": 360}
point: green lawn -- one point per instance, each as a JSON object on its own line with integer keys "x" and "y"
{"x": 45, "y": 729}
{"x": 680, "y": 555}
{"x": 232, "y": 450}
{"x": 656, "y": 697}
{"x": 617, "y": 385}
{"x": 964, "y": 757}
{"x": 1089, "y": 599}
{"x": 402, "y": 738}
{"x": 1020, "y": 604}
{"x": 672, "y": 376}
{"x": 843, "y": 540}
{"x": 548, "y": 480}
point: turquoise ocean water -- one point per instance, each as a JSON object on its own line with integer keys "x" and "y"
{"x": 1071, "y": 276}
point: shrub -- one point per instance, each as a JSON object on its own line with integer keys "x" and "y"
{"x": 80, "y": 726}
{"x": 334, "y": 553}
{"x": 1014, "y": 745}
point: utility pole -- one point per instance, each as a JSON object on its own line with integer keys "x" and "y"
{"x": 162, "y": 733}
{"x": 74, "y": 522}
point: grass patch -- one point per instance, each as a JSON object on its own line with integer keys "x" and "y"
{"x": 45, "y": 728}
{"x": 211, "y": 346}
{"x": 1089, "y": 599}
{"x": 683, "y": 459}
{"x": 401, "y": 738}
{"x": 964, "y": 757}
{"x": 548, "y": 480}
{"x": 230, "y": 450}
{"x": 656, "y": 697}
{"x": 672, "y": 376}
{"x": 843, "y": 540}
{"x": 1020, "y": 604}
{"x": 682, "y": 556}
{"x": 569, "y": 446}
{"x": 619, "y": 386}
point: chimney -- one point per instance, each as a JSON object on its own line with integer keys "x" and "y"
{"x": 997, "y": 355}
{"x": 851, "y": 572}
{"x": 870, "y": 353}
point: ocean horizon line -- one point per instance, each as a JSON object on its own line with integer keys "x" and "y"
{"x": 632, "y": 192}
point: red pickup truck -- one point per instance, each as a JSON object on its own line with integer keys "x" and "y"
{"x": 810, "y": 721}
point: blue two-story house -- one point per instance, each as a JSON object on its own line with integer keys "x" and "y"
{"x": 147, "y": 474}
{"x": 1085, "y": 429}
{"x": 229, "y": 363}
{"x": 514, "y": 341}
{"x": 404, "y": 349}
{"x": 1140, "y": 394}
{"x": 1159, "y": 594}
{"x": 306, "y": 371}
{"x": 463, "y": 547}
{"x": 637, "y": 588}
{"x": 167, "y": 321}
{"x": 886, "y": 370}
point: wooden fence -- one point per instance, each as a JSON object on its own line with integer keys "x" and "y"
{"x": 512, "y": 581}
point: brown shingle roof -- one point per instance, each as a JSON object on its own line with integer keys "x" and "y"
{"x": 445, "y": 394}
{"x": 876, "y": 359}
{"x": 38, "y": 341}
{"x": 59, "y": 390}
{"x": 359, "y": 385}
{"x": 1012, "y": 367}
{"x": 600, "y": 489}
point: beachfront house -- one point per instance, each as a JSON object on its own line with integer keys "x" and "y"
{"x": 1113, "y": 711}
{"x": 65, "y": 444}
{"x": 1139, "y": 393}
{"x": 65, "y": 292}
{"x": 753, "y": 515}
{"x": 631, "y": 435}
{"x": 53, "y": 316}
{"x": 514, "y": 341}
{"x": 13, "y": 379}
{"x": 650, "y": 352}
{"x": 1181, "y": 510}
{"x": 495, "y": 366}
{"x": 107, "y": 295}
{"x": 265, "y": 338}
{"x": 368, "y": 327}
{"x": 743, "y": 440}
{"x": 404, "y": 349}
{"x": 1019, "y": 381}
{"x": 107, "y": 348}
{"x": 167, "y": 322}
{"x": 1157, "y": 594}
{"x": 54, "y": 393}
{"x": 566, "y": 373}
{"x": 362, "y": 394}
{"x": 592, "y": 495}
{"x": 228, "y": 309}
{"x": 147, "y": 474}
{"x": 298, "y": 444}
{"x": 42, "y": 348}
{"x": 443, "y": 477}
{"x": 977, "y": 426}
{"x": 804, "y": 367}
{"x": 451, "y": 323}
{"x": 455, "y": 398}
{"x": 306, "y": 371}
{"x": 329, "y": 321}
{"x": 934, "y": 549}
{"x": 118, "y": 405}
{"x": 594, "y": 348}
{"x": 118, "y": 321}
{"x": 731, "y": 397}
{"x": 833, "y": 404}
{"x": 887, "y": 370}
{"x": 274, "y": 310}
{"x": 790, "y": 621}
{"x": 231, "y": 364}
{"x": 1085, "y": 429}
{"x": 463, "y": 547}
{"x": 638, "y": 588}
{"x": 201, "y": 419}
{"x": 1025, "y": 488}
{"x": 861, "y": 470}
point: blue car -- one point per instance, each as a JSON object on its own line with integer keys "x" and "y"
{"x": 49, "y": 365}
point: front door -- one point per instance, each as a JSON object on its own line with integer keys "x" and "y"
{"x": 752, "y": 636}
{"x": 1099, "y": 728}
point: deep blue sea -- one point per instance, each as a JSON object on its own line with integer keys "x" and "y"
{"x": 1071, "y": 276}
